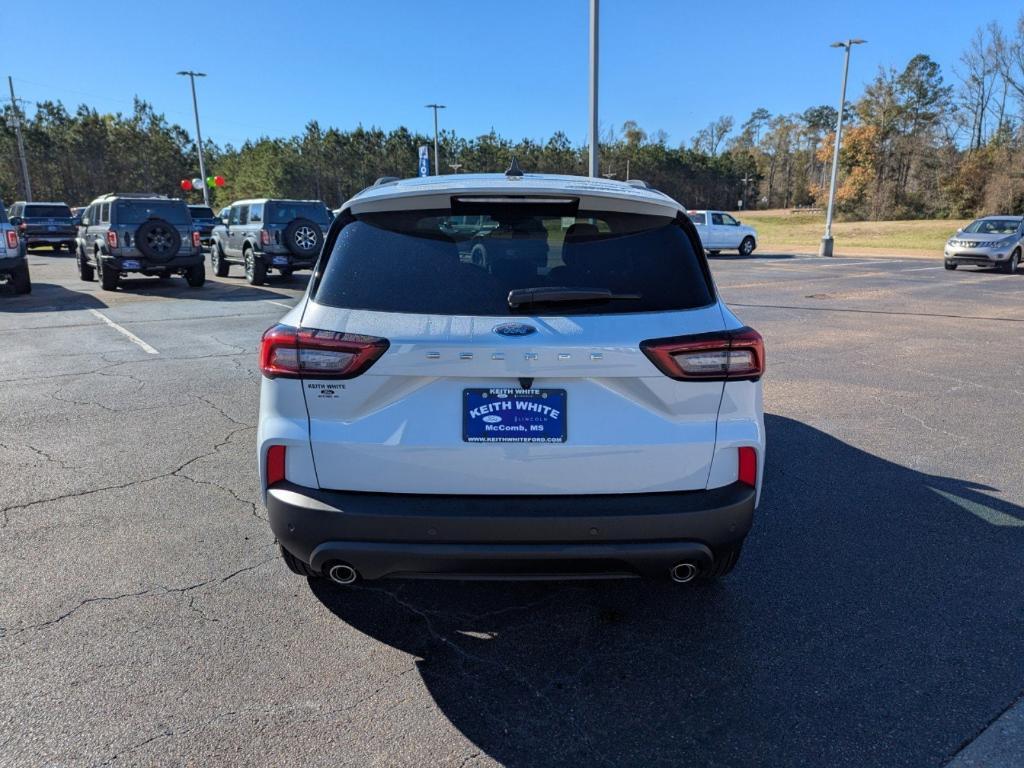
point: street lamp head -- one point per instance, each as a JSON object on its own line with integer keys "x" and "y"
{"x": 848, "y": 43}
{"x": 190, "y": 73}
{"x": 435, "y": 106}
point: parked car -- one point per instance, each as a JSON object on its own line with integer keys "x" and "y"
{"x": 593, "y": 413}
{"x": 45, "y": 224}
{"x": 13, "y": 261}
{"x": 721, "y": 232}
{"x": 269, "y": 234}
{"x": 142, "y": 233}
{"x": 991, "y": 241}
{"x": 204, "y": 220}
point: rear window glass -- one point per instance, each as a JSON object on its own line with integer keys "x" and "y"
{"x": 137, "y": 211}
{"x": 432, "y": 262}
{"x": 283, "y": 213}
{"x": 33, "y": 211}
{"x": 696, "y": 218}
{"x": 201, "y": 212}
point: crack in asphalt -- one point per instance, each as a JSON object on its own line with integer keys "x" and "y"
{"x": 157, "y": 591}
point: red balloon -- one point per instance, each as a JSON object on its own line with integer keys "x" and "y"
{"x": 218, "y": 180}
{"x": 186, "y": 184}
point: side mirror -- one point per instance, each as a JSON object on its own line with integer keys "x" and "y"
{"x": 738, "y": 222}
{"x": 224, "y": 221}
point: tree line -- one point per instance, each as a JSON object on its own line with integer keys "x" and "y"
{"x": 914, "y": 145}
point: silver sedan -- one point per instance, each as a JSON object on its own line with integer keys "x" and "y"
{"x": 992, "y": 241}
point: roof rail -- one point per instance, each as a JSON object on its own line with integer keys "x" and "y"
{"x": 385, "y": 180}
{"x": 133, "y": 194}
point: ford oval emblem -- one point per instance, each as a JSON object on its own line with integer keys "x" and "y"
{"x": 514, "y": 329}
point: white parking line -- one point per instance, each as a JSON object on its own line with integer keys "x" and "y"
{"x": 131, "y": 336}
{"x": 278, "y": 303}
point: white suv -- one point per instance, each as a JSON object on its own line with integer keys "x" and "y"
{"x": 511, "y": 376}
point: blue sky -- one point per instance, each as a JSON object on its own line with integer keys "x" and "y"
{"x": 517, "y": 66}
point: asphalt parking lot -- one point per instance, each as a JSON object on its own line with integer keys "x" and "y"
{"x": 877, "y": 616}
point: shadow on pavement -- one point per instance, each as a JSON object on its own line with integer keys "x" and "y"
{"x": 46, "y": 297}
{"x": 875, "y": 619}
{"x": 213, "y": 290}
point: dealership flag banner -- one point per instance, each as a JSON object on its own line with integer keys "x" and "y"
{"x": 424, "y": 161}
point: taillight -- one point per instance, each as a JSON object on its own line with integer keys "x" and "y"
{"x": 12, "y": 239}
{"x": 265, "y": 236}
{"x": 722, "y": 356}
{"x": 112, "y": 238}
{"x": 275, "y": 464}
{"x": 196, "y": 239}
{"x": 307, "y": 353}
{"x": 748, "y": 466}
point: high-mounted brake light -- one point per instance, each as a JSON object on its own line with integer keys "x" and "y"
{"x": 275, "y": 464}
{"x": 721, "y": 356}
{"x": 112, "y": 238}
{"x": 12, "y": 239}
{"x": 196, "y": 239}
{"x": 307, "y": 353}
{"x": 265, "y": 236}
{"x": 748, "y": 466}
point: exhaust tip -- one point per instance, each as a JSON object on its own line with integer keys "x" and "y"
{"x": 681, "y": 573}
{"x": 342, "y": 574}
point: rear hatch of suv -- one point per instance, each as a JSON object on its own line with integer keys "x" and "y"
{"x": 136, "y": 219}
{"x": 50, "y": 219}
{"x": 495, "y": 348}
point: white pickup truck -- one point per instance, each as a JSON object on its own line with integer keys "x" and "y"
{"x": 721, "y": 232}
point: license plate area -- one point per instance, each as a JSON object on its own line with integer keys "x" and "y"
{"x": 130, "y": 264}
{"x": 510, "y": 415}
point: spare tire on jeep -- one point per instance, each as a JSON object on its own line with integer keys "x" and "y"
{"x": 158, "y": 239}
{"x": 303, "y": 238}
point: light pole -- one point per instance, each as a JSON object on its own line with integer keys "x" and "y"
{"x": 455, "y": 167}
{"x": 15, "y": 123}
{"x": 199, "y": 136}
{"x": 593, "y": 86}
{"x": 437, "y": 157}
{"x": 826, "y": 241}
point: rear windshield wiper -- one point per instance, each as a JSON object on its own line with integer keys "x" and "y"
{"x": 519, "y": 297}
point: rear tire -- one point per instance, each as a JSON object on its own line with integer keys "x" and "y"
{"x": 196, "y": 275}
{"x": 220, "y": 266}
{"x": 255, "y": 269}
{"x": 747, "y": 246}
{"x": 57, "y": 247}
{"x": 286, "y": 273}
{"x": 108, "y": 276}
{"x": 296, "y": 566}
{"x": 725, "y": 561}
{"x": 20, "y": 280}
{"x": 950, "y": 265}
{"x": 86, "y": 272}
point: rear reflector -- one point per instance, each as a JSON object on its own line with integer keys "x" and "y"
{"x": 275, "y": 464}
{"x": 721, "y": 356}
{"x": 12, "y": 239}
{"x": 748, "y": 467}
{"x": 307, "y": 353}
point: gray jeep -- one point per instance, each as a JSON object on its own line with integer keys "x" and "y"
{"x": 269, "y": 234}
{"x": 13, "y": 263}
{"x": 143, "y": 233}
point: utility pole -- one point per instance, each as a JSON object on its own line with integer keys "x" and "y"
{"x": 826, "y": 241}
{"x": 437, "y": 157}
{"x": 16, "y": 122}
{"x": 593, "y": 86}
{"x": 199, "y": 136}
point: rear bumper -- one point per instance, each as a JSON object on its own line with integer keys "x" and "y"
{"x": 406, "y": 535}
{"x": 181, "y": 261}
{"x": 34, "y": 238}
